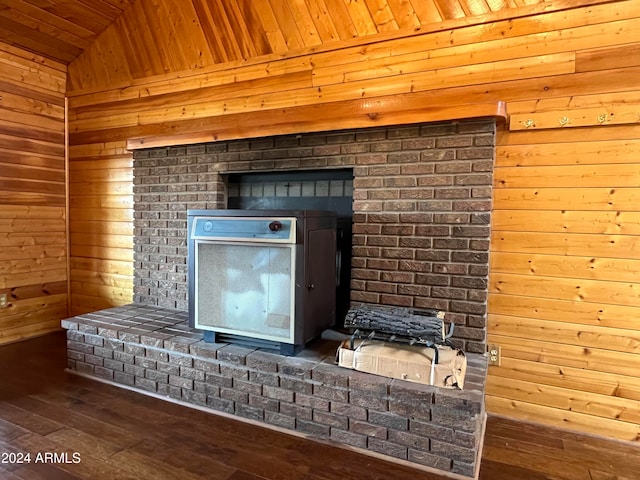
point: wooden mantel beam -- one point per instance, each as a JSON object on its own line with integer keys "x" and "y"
{"x": 362, "y": 113}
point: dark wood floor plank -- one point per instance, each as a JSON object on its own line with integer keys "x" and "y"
{"x": 556, "y": 448}
{"x": 89, "y": 467}
{"x": 7, "y": 475}
{"x": 44, "y": 472}
{"x": 8, "y": 431}
{"x": 70, "y": 418}
{"x": 499, "y": 471}
{"x": 603, "y": 457}
{"x": 26, "y": 420}
{"x": 193, "y": 457}
{"x": 123, "y": 435}
{"x": 552, "y": 468}
{"x": 596, "y": 475}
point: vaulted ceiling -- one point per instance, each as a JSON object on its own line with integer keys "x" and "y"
{"x": 221, "y": 30}
{"x": 57, "y": 29}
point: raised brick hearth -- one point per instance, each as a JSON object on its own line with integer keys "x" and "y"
{"x": 152, "y": 349}
{"x": 421, "y": 225}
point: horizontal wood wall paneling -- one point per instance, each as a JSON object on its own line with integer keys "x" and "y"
{"x": 27, "y": 312}
{"x": 534, "y": 67}
{"x": 95, "y": 266}
{"x": 102, "y": 174}
{"x": 578, "y": 379}
{"x": 192, "y": 83}
{"x": 615, "y": 114}
{"x": 573, "y": 420}
{"x": 574, "y": 102}
{"x": 563, "y": 300}
{"x": 41, "y": 326}
{"x": 48, "y": 190}
{"x": 84, "y": 214}
{"x": 11, "y": 198}
{"x": 21, "y": 102}
{"x": 40, "y": 79}
{"x": 101, "y": 226}
{"x": 19, "y": 144}
{"x": 105, "y": 253}
{"x": 483, "y": 46}
{"x": 593, "y": 291}
{"x": 124, "y": 201}
{"x": 101, "y": 240}
{"x": 607, "y": 315}
{"x": 587, "y": 83}
{"x": 87, "y": 303}
{"x": 39, "y": 276}
{"x": 102, "y": 149}
{"x": 607, "y": 246}
{"x": 593, "y": 268}
{"x": 28, "y": 265}
{"x": 602, "y": 58}
{"x": 24, "y": 226}
{"x": 46, "y": 175}
{"x": 599, "y": 199}
{"x": 32, "y": 238}
{"x": 106, "y": 279}
{"x": 133, "y": 111}
{"x": 97, "y": 226}
{"x": 28, "y": 159}
{"x": 33, "y": 309}
{"x": 33, "y": 291}
{"x": 31, "y": 57}
{"x": 49, "y": 127}
{"x": 120, "y": 295}
{"x": 589, "y": 151}
{"x": 32, "y": 194}
{"x": 594, "y": 175}
{"x": 556, "y": 397}
{"x": 615, "y": 222}
{"x": 550, "y": 352}
{"x": 589, "y": 336}
{"x": 20, "y": 130}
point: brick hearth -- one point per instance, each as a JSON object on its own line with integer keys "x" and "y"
{"x": 152, "y": 349}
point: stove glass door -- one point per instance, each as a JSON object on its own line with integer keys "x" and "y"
{"x": 245, "y": 289}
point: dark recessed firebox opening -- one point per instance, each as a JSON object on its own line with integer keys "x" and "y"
{"x": 330, "y": 189}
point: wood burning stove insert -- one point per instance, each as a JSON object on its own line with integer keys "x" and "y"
{"x": 264, "y": 278}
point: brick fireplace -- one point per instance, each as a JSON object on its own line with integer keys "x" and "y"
{"x": 421, "y": 212}
{"x": 420, "y": 239}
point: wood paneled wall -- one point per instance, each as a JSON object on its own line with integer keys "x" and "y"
{"x": 565, "y": 271}
{"x": 101, "y": 226}
{"x": 33, "y": 240}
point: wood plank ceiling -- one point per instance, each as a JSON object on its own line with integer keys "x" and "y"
{"x": 57, "y": 29}
{"x": 231, "y": 29}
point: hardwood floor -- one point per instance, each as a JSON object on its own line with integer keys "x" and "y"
{"x": 119, "y": 434}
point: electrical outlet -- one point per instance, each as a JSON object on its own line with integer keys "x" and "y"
{"x": 3, "y": 300}
{"x": 494, "y": 355}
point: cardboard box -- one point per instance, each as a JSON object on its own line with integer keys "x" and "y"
{"x": 406, "y": 362}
